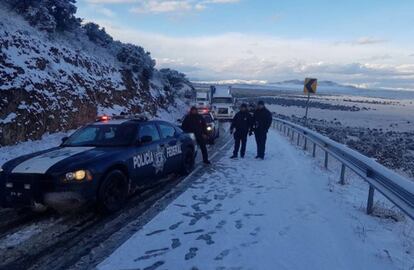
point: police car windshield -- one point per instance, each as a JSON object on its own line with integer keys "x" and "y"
{"x": 104, "y": 135}
{"x": 208, "y": 118}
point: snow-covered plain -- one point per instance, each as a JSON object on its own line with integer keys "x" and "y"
{"x": 393, "y": 115}
{"x": 280, "y": 213}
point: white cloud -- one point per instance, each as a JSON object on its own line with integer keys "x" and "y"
{"x": 369, "y": 40}
{"x": 267, "y": 58}
{"x": 174, "y": 6}
{"x": 104, "y": 11}
{"x": 160, "y": 6}
{"x": 110, "y": 1}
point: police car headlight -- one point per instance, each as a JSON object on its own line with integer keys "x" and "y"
{"x": 79, "y": 175}
{"x": 209, "y": 128}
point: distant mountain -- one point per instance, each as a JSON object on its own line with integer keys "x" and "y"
{"x": 301, "y": 82}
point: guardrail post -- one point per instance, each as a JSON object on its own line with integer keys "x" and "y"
{"x": 370, "y": 203}
{"x": 342, "y": 179}
{"x": 314, "y": 150}
{"x": 305, "y": 144}
{"x": 293, "y": 134}
{"x": 298, "y": 138}
{"x": 326, "y": 159}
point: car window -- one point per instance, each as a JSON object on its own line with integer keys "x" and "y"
{"x": 167, "y": 131}
{"x": 103, "y": 135}
{"x": 149, "y": 130}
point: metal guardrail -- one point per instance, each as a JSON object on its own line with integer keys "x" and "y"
{"x": 397, "y": 189}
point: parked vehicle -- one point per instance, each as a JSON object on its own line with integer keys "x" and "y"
{"x": 223, "y": 103}
{"x": 213, "y": 127}
{"x": 102, "y": 163}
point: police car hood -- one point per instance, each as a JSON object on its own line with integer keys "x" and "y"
{"x": 55, "y": 159}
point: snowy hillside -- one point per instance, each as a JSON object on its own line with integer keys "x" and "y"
{"x": 58, "y": 78}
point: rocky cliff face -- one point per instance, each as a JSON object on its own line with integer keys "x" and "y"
{"x": 58, "y": 81}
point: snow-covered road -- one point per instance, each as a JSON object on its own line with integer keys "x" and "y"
{"x": 279, "y": 213}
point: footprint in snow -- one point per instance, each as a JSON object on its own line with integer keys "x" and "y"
{"x": 155, "y": 232}
{"x": 192, "y": 252}
{"x": 175, "y": 243}
{"x": 222, "y": 255}
{"x": 221, "y": 224}
{"x": 255, "y": 231}
{"x": 239, "y": 224}
{"x": 176, "y": 225}
{"x": 207, "y": 238}
{"x": 154, "y": 266}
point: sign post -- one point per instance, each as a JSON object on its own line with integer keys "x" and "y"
{"x": 311, "y": 85}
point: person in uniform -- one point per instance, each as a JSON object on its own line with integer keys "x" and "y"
{"x": 240, "y": 128}
{"x": 262, "y": 120}
{"x": 196, "y": 124}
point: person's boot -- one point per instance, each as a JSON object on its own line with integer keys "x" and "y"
{"x": 207, "y": 162}
{"x": 233, "y": 156}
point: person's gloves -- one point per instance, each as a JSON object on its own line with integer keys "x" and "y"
{"x": 250, "y": 133}
{"x": 231, "y": 131}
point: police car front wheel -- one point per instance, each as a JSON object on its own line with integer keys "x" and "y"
{"x": 113, "y": 192}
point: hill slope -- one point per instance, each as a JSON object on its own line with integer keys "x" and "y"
{"x": 59, "y": 80}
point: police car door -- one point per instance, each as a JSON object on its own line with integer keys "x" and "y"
{"x": 146, "y": 162}
{"x": 172, "y": 145}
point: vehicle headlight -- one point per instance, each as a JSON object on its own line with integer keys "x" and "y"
{"x": 1, "y": 169}
{"x": 209, "y": 128}
{"x": 79, "y": 175}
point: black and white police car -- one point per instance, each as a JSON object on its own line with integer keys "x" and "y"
{"x": 102, "y": 163}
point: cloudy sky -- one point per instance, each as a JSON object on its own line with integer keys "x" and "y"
{"x": 368, "y": 43}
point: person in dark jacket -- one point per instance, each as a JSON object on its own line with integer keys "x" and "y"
{"x": 240, "y": 128}
{"x": 262, "y": 120}
{"x": 196, "y": 124}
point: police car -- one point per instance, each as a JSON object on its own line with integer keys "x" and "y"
{"x": 102, "y": 163}
{"x": 213, "y": 128}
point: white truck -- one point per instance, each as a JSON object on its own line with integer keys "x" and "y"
{"x": 223, "y": 103}
{"x": 203, "y": 99}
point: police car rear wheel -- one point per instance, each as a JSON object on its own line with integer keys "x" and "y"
{"x": 113, "y": 192}
{"x": 188, "y": 163}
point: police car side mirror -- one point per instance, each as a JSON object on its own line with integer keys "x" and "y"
{"x": 145, "y": 139}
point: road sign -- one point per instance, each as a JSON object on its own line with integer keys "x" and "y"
{"x": 310, "y": 86}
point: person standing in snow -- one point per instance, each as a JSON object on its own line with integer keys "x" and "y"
{"x": 262, "y": 120}
{"x": 240, "y": 128}
{"x": 196, "y": 124}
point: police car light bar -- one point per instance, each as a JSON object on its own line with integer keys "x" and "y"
{"x": 103, "y": 118}
{"x": 137, "y": 117}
